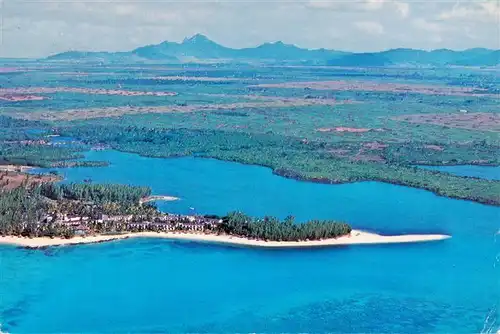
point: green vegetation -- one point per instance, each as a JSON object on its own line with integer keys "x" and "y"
{"x": 20, "y": 145}
{"x": 97, "y": 193}
{"x": 475, "y": 152}
{"x": 15, "y": 129}
{"x": 23, "y": 211}
{"x": 311, "y": 160}
{"x": 20, "y": 210}
{"x": 60, "y": 210}
{"x": 271, "y": 228}
{"x": 35, "y": 154}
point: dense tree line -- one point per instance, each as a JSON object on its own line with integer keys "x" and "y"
{"x": 16, "y": 129}
{"x": 20, "y": 209}
{"x": 16, "y": 148}
{"x": 97, "y": 193}
{"x": 271, "y": 228}
{"x": 435, "y": 153}
{"x": 35, "y": 154}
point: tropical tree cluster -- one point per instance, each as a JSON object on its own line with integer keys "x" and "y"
{"x": 271, "y": 228}
{"x": 26, "y": 212}
{"x": 20, "y": 208}
{"x": 23, "y": 210}
{"x": 97, "y": 193}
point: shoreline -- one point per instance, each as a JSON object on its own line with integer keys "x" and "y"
{"x": 356, "y": 237}
{"x": 297, "y": 177}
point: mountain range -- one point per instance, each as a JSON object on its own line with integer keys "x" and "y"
{"x": 199, "y": 48}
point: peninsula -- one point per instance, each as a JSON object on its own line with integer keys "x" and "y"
{"x": 64, "y": 214}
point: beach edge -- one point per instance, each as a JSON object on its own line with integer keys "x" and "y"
{"x": 356, "y": 237}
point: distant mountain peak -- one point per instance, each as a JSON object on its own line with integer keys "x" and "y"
{"x": 277, "y": 44}
{"x": 197, "y": 38}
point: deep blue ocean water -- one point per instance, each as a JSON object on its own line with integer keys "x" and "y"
{"x": 149, "y": 286}
{"x": 483, "y": 172}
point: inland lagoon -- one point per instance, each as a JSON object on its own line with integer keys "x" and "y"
{"x": 157, "y": 285}
{"x": 482, "y": 172}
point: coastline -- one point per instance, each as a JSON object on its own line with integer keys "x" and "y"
{"x": 325, "y": 180}
{"x": 356, "y": 237}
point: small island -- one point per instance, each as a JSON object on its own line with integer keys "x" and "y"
{"x": 51, "y": 214}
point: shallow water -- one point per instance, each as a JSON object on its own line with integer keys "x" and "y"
{"x": 165, "y": 286}
{"x": 482, "y": 172}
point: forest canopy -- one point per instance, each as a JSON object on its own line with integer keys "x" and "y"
{"x": 273, "y": 229}
{"x": 98, "y": 193}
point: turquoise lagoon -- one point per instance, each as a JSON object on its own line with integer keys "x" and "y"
{"x": 156, "y": 286}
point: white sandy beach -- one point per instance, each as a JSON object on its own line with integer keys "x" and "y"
{"x": 356, "y": 238}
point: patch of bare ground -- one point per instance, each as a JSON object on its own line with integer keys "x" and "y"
{"x": 21, "y": 97}
{"x": 158, "y": 68}
{"x": 375, "y": 146}
{"x": 367, "y": 156}
{"x": 11, "y": 70}
{"x": 363, "y": 157}
{"x": 347, "y": 129}
{"x": 471, "y": 121}
{"x": 339, "y": 152}
{"x": 200, "y": 79}
{"x": 51, "y": 90}
{"x": 434, "y": 147}
{"x": 282, "y": 98}
{"x": 13, "y": 179}
{"x": 90, "y": 113}
{"x": 86, "y": 74}
{"x": 371, "y": 86}
{"x": 368, "y": 152}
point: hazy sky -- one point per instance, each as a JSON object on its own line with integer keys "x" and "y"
{"x": 35, "y": 28}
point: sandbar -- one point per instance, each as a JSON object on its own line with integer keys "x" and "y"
{"x": 355, "y": 238}
{"x": 158, "y": 198}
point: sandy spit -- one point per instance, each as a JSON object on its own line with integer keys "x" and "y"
{"x": 158, "y": 198}
{"x": 356, "y": 238}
